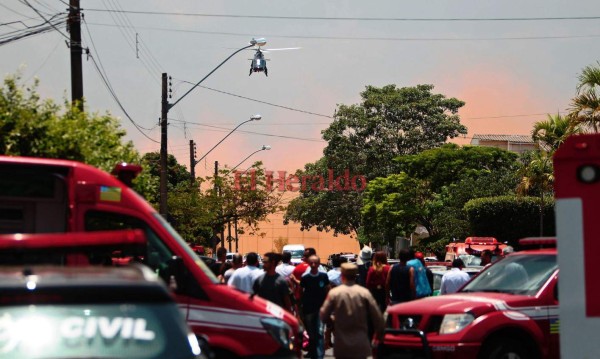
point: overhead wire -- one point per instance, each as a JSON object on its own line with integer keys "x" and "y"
{"x": 258, "y": 101}
{"x": 46, "y": 26}
{"x": 114, "y": 96}
{"x": 45, "y": 60}
{"x": 123, "y": 30}
{"x": 16, "y": 12}
{"x": 143, "y": 48}
{"x": 104, "y": 76}
{"x": 263, "y": 17}
{"x": 253, "y": 132}
{"x": 355, "y": 38}
{"x": 42, "y": 16}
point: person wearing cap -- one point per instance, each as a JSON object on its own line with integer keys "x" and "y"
{"x": 453, "y": 280}
{"x": 353, "y": 307}
{"x": 364, "y": 263}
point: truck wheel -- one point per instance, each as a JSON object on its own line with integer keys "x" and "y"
{"x": 505, "y": 348}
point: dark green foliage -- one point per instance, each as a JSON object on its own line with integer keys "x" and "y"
{"x": 364, "y": 138}
{"x": 509, "y": 218}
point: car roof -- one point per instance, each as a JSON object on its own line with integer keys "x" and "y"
{"x": 135, "y": 283}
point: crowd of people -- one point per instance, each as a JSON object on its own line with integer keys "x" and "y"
{"x": 347, "y": 301}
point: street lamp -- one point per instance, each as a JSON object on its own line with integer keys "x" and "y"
{"x": 194, "y": 162}
{"x": 263, "y": 148}
{"x": 165, "y": 107}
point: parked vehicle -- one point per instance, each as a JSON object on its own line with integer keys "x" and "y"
{"x": 70, "y": 295}
{"x": 509, "y": 310}
{"x": 297, "y": 251}
{"x": 472, "y": 247}
{"x": 49, "y": 195}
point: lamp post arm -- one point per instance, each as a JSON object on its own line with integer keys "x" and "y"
{"x": 218, "y": 143}
{"x": 244, "y": 160}
{"x": 210, "y": 73}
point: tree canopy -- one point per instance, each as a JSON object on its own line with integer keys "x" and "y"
{"x": 364, "y": 139}
{"x": 432, "y": 188}
{"x": 34, "y": 127}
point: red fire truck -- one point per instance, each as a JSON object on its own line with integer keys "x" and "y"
{"x": 53, "y": 196}
{"x": 470, "y": 250}
{"x": 509, "y": 310}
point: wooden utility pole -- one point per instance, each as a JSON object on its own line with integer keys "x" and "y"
{"x": 192, "y": 161}
{"x": 163, "y": 148}
{"x": 74, "y": 23}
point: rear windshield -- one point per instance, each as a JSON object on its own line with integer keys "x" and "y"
{"x": 93, "y": 331}
{"x": 296, "y": 253}
{"x": 516, "y": 274}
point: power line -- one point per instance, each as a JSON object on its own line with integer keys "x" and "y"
{"x": 368, "y": 38}
{"x": 252, "y": 132}
{"x": 47, "y": 21}
{"x": 114, "y": 96}
{"x": 123, "y": 30}
{"x": 41, "y": 28}
{"x": 262, "y": 17}
{"x": 142, "y": 47}
{"x": 258, "y": 101}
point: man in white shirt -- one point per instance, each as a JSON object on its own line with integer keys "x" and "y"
{"x": 453, "y": 280}
{"x": 285, "y": 268}
{"x": 243, "y": 278}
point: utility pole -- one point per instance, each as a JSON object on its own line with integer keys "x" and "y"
{"x": 74, "y": 23}
{"x": 192, "y": 160}
{"x": 218, "y": 193}
{"x": 163, "y": 148}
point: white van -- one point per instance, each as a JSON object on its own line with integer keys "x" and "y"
{"x": 297, "y": 251}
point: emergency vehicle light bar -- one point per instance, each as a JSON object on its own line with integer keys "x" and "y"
{"x": 481, "y": 240}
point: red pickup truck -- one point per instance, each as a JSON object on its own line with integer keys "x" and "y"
{"x": 54, "y": 196}
{"x": 509, "y": 310}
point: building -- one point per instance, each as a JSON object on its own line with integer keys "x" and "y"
{"x": 514, "y": 143}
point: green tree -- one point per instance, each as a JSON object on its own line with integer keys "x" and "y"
{"x": 537, "y": 179}
{"x": 552, "y": 132}
{"x": 364, "y": 139}
{"x": 34, "y": 127}
{"x": 243, "y": 198}
{"x": 508, "y": 218}
{"x": 149, "y": 187}
{"x": 324, "y": 209}
{"x": 585, "y": 107}
{"x": 429, "y": 191}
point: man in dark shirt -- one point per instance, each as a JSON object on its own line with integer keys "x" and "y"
{"x": 272, "y": 286}
{"x": 401, "y": 280}
{"x": 315, "y": 286}
{"x": 221, "y": 265}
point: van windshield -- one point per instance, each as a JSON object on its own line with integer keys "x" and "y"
{"x": 209, "y": 273}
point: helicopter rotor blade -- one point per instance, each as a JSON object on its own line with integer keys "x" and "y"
{"x": 281, "y": 49}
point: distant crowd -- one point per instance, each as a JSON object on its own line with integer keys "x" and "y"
{"x": 341, "y": 306}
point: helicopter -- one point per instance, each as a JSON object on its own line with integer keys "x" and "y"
{"x": 259, "y": 63}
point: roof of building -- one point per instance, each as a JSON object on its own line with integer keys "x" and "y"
{"x": 507, "y": 138}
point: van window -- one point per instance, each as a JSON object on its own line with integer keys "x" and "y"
{"x": 159, "y": 254}
{"x": 32, "y": 200}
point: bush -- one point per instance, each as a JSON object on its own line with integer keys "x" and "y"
{"x": 509, "y": 218}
